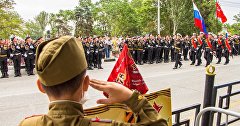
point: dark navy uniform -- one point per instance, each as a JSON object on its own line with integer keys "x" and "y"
{"x": 150, "y": 45}
{"x": 178, "y": 46}
{"x": 220, "y": 49}
{"x": 89, "y": 55}
{"x": 193, "y": 51}
{"x": 207, "y": 53}
{"x": 199, "y": 51}
{"x": 186, "y": 46}
{"x": 16, "y": 56}
{"x": 140, "y": 52}
{"x": 98, "y": 52}
{"x": 29, "y": 56}
{"x": 167, "y": 47}
{"x": 236, "y": 49}
{"x": 172, "y": 49}
{"x": 4, "y": 54}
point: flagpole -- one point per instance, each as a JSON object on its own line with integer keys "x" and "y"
{"x": 159, "y": 17}
{"x": 216, "y": 17}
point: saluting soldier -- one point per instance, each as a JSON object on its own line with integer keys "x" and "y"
{"x": 178, "y": 45}
{"x": 193, "y": 50}
{"x": 16, "y": 44}
{"x": 29, "y": 59}
{"x": 16, "y": 56}
{"x": 65, "y": 107}
{"x": 4, "y": 54}
{"x": 38, "y": 41}
{"x": 29, "y": 42}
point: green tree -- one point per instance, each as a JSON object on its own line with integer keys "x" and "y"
{"x": 84, "y": 18}
{"x": 52, "y": 22}
{"x": 60, "y": 22}
{"x": 208, "y": 11}
{"x": 237, "y": 17}
{"x": 42, "y": 20}
{"x": 32, "y": 28}
{"x": 6, "y": 4}
{"x": 10, "y": 21}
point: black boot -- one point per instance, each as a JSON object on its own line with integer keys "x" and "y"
{"x": 32, "y": 73}
{"x": 3, "y": 74}
{"x": 16, "y": 73}
{"x": 6, "y": 75}
{"x": 19, "y": 73}
{"x": 90, "y": 68}
{"x": 180, "y": 65}
{"x": 28, "y": 73}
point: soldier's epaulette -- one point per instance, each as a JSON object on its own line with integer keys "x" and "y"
{"x": 32, "y": 116}
{"x": 101, "y": 120}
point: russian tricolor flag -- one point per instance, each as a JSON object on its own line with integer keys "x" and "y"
{"x": 199, "y": 21}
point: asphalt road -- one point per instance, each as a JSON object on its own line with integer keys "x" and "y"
{"x": 20, "y": 98}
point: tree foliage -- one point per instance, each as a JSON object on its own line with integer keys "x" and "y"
{"x": 60, "y": 23}
{"x": 234, "y": 28}
{"x": 32, "y": 29}
{"x": 42, "y": 20}
{"x": 115, "y": 18}
{"x": 10, "y": 21}
{"x": 84, "y": 18}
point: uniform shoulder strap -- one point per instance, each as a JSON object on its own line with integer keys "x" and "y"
{"x": 31, "y": 121}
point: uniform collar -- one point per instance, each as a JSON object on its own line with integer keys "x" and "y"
{"x": 65, "y": 107}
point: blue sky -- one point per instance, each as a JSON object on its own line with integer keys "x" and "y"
{"x": 28, "y": 9}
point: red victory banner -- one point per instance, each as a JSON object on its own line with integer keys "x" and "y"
{"x": 220, "y": 14}
{"x": 125, "y": 72}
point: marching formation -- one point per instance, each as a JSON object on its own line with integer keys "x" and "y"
{"x": 150, "y": 49}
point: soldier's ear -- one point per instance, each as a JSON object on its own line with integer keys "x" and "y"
{"x": 85, "y": 83}
{"x": 40, "y": 88}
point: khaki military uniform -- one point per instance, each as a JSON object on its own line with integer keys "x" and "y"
{"x": 55, "y": 56}
{"x": 68, "y": 113}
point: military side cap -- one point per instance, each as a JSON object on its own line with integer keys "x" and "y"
{"x": 59, "y": 60}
